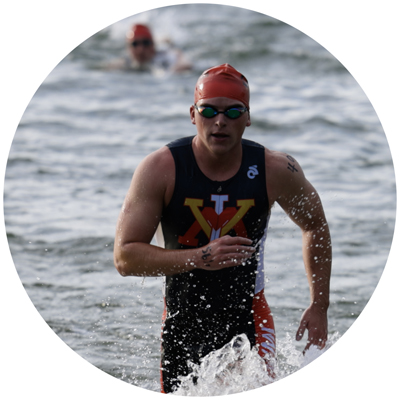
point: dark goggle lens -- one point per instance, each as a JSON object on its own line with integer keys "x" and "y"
{"x": 145, "y": 43}
{"x": 209, "y": 112}
{"x": 233, "y": 113}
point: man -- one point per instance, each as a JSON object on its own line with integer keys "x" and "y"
{"x": 143, "y": 55}
{"x": 140, "y": 45}
{"x": 212, "y": 195}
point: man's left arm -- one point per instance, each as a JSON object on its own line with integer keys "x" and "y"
{"x": 302, "y": 203}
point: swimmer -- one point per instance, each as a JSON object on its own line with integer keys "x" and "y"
{"x": 211, "y": 196}
{"x": 142, "y": 54}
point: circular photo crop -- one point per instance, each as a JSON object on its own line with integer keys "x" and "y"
{"x": 200, "y": 206}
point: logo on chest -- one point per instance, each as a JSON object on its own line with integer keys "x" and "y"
{"x": 252, "y": 172}
{"x": 215, "y": 222}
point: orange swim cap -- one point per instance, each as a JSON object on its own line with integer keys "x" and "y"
{"x": 222, "y": 81}
{"x": 139, "y": 30}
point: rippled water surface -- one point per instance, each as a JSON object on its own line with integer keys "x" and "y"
{"x": 87, "y": 128}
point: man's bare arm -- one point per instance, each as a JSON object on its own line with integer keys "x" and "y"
{"x": 302, "y": 203}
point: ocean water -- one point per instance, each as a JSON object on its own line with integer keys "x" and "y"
{"x": 87, "y": 128}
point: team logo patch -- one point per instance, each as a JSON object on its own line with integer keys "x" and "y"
{"x": 215, "y": 222}
{"x": 252, "y": 172}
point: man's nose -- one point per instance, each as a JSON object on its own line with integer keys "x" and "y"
{"x": 220, "y": 119}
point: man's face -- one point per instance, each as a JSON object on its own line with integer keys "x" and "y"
{"x": 220, "y": 134}
{"x": 142, "y": 49}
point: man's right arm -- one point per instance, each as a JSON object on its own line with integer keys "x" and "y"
{"x": 150, "y": 190}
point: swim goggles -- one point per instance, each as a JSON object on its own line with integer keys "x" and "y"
{"x": 211, "y": 112}
{"x": 144, "y": 43}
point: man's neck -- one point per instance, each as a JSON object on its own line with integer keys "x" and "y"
{"x": 217, "y": 167}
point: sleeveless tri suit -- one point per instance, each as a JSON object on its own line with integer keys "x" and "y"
{"x": 204, "y": 310}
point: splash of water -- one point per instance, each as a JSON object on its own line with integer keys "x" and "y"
{"x": 237, "y": 367}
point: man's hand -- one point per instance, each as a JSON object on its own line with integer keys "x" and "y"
{"x": 315, "y": 320}
{"x": 224, "y": 252}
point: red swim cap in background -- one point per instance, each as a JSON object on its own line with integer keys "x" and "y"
{"x": 222, "y": 81}
{"x": 139, "y": 30}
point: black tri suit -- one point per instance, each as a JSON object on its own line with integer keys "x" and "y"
{"x": 204, "y": 310}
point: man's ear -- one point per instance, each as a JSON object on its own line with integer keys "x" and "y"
{"x": 192, "y": 118}
{"x": 248, "y": 120}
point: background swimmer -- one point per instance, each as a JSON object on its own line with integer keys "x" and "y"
{"x": 142, "y": 54}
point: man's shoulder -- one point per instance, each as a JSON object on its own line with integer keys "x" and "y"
{"x": 162, "y": 159}
{"x": 181, "y": 142}
{"x": 156, "y": 171}
{"x": 159, "y": 160}
{"x": 251, "y": 143}
{"x": 276, "y": 161}
{"x": 284, "y": 174}
{"x": 279, "y": 160}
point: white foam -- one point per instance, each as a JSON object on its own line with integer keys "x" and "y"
{"x": 237, "y": 368}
